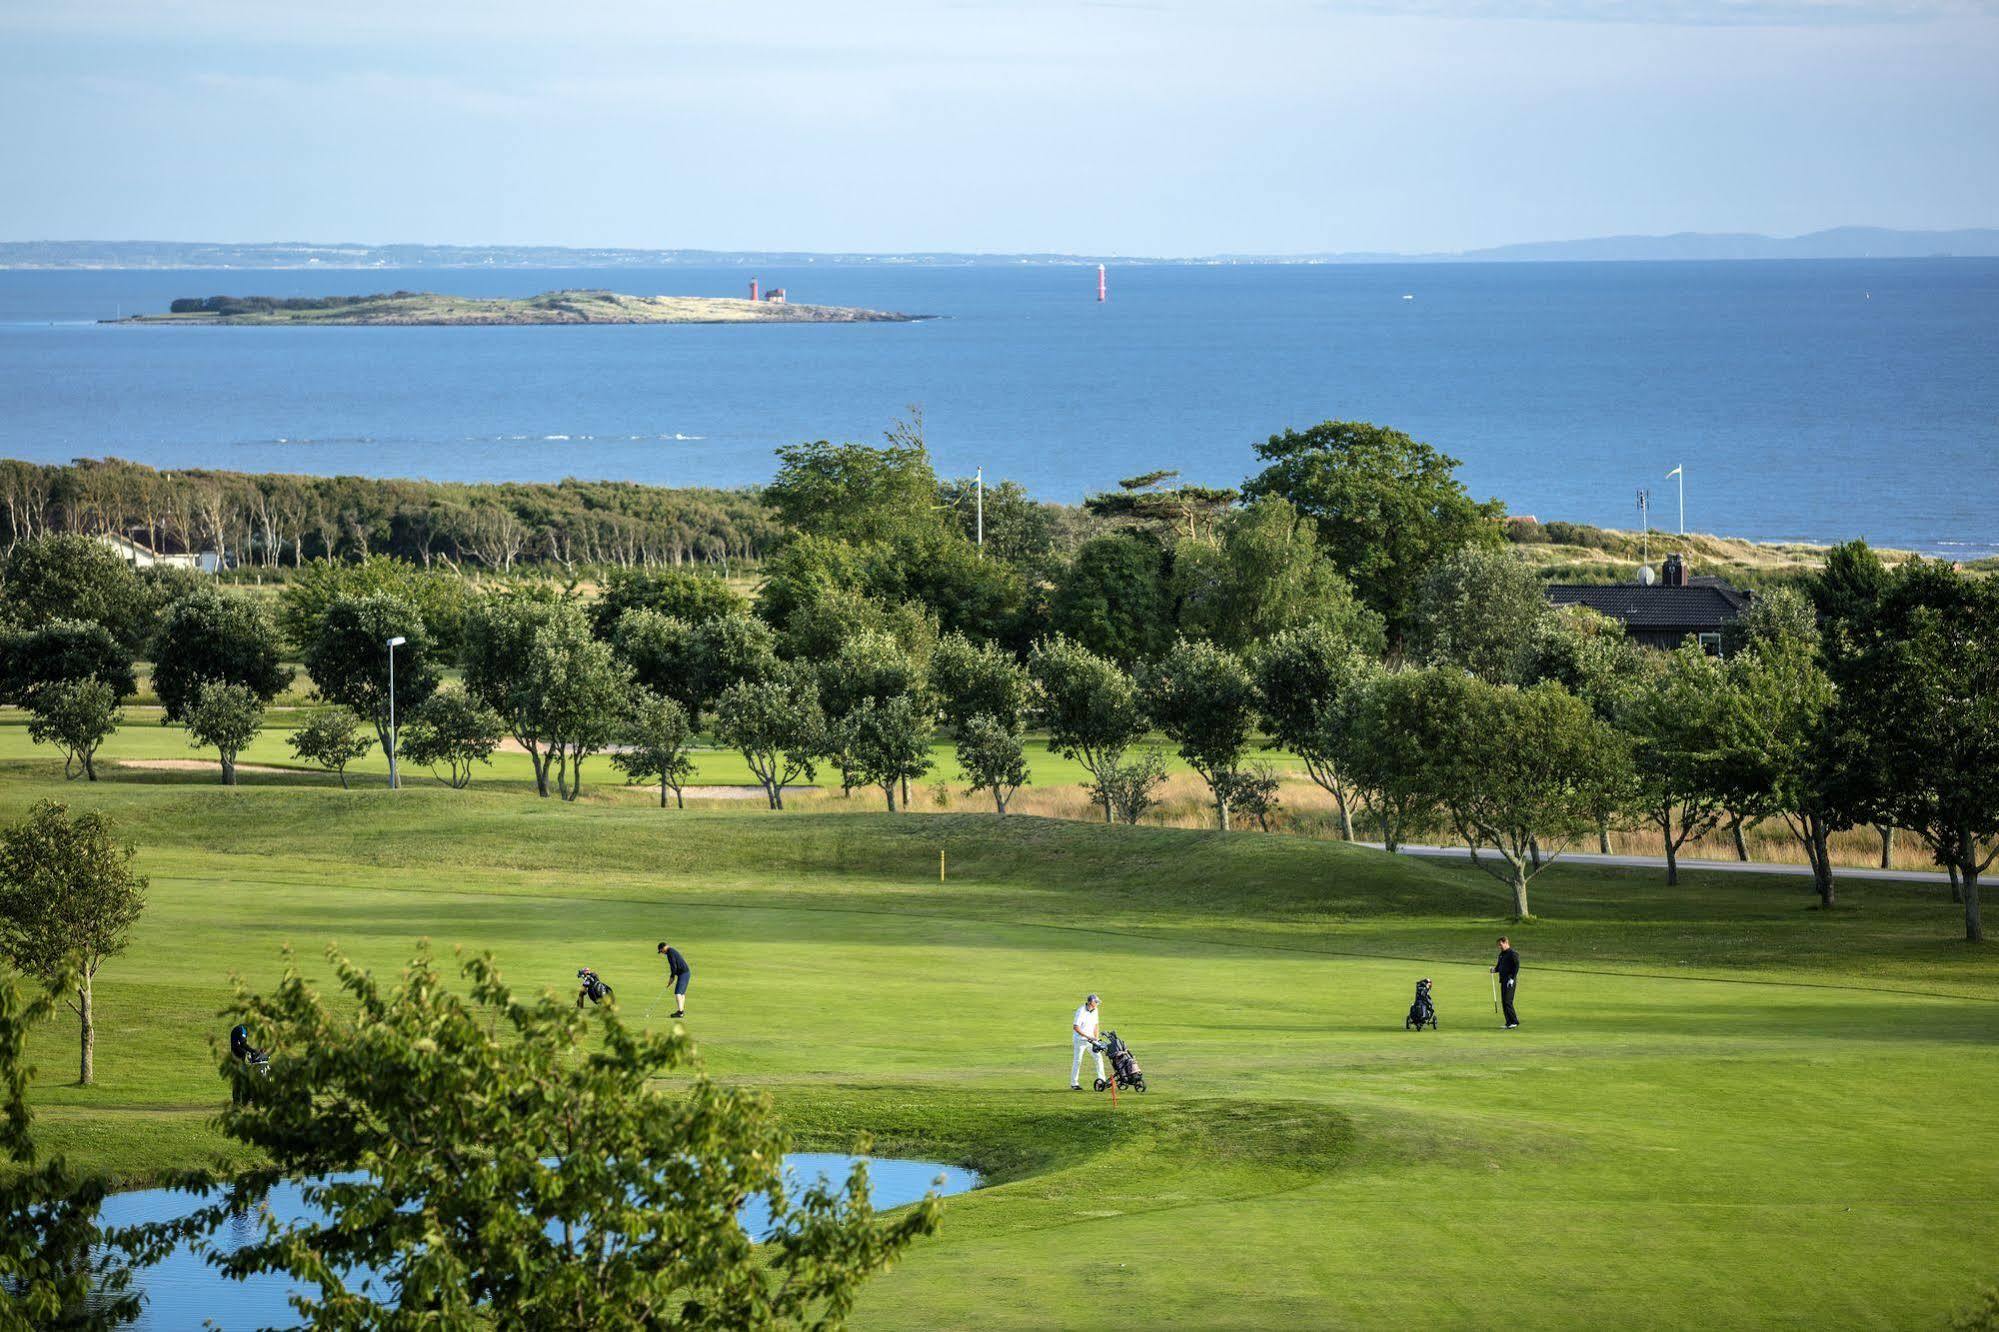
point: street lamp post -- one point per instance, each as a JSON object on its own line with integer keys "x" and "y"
{"x": 394, "y": 643}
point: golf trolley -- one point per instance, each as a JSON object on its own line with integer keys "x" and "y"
{"x": 594, "y": 989}
{"x": 1422, "y": 1013}
{"x": 1126, "y": 1075}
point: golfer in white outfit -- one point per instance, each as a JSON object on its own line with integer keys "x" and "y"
{"x": 1084, "y": 1030}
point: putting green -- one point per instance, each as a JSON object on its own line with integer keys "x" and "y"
{"x": 1724, "y": 1107}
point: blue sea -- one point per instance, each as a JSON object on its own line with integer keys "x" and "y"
{"x": 1806, "y": 400}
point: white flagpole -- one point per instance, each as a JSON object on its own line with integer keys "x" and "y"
{"x": 1680, "y": 474}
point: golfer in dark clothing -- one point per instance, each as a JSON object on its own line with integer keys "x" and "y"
{"x": 681, "y": 973}
{"x": 1507, "y": 968}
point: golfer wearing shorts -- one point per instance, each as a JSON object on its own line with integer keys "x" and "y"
{"x": 1083, "y": 1030}
{"x": 681, "y": 973}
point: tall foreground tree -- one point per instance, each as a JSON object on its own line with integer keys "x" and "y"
{"x": 1387, "y": 507}
{"x": 1091, "y": 708}
{"x": 68, "y": 899}
{"x": 1205, "y": 701}
{"x": 1918, "y": 683}
{"x": 1309, "y": 683}
{"x": 498, "y": 1160}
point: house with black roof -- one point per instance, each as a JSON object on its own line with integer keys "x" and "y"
{"x": 1661, "y": 612}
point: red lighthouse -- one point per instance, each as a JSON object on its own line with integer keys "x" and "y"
{"x": 753, "y": 288}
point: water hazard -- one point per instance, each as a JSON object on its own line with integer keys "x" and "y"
{"x": 182, "y": 1290}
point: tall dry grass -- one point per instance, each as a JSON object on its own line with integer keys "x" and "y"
{"x": 1305, "y": 810}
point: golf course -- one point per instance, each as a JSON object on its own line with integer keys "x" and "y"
{"x": 1724, "y": 1107}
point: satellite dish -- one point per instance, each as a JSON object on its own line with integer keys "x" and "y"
{"x": 1645, "y": 576}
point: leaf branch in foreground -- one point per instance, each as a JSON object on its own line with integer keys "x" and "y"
{"x": 516, "y": 1162}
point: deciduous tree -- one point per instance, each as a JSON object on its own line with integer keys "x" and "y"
{"x": 1918, "y": 686}
{"x": 994, "y": 758}
{"x": 1520, "y": 772}
{"x": 1090, "y": 707}
{"x": 1479, "y": 609}
{"x": 887, "y": 742}
{"x": 1309, "y": 683}
{"x": 777, "y": 725}
{"x": 497, "y": 1160}
{"x": 452, "y": 730}
{"x": 655, "y": 739}
{"x": 77, "y": 716}
{"x": 1675, "y": 721}
{"x": 62, "y": 652}
{"x": 1387, "y": 507}
{"x": 1203, "y": 697}
{"x": 332, "y": 738}
{"x": 348, "y": 658}
{"x": 219, "y": 637}
{"x": 1113, "y": 599}
{"x": 225, "y": 717}
{"x": 68, "y": 899}
{"x": 1264, "y": 574}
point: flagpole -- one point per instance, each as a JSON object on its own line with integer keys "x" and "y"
{"x": 1679, "y": 473}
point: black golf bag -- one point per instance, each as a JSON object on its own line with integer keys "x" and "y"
{"x": 240, "y": 1047}
{"x": 1422, "y": 1013}
{"x": 593, "y": 989}
{"x": 1125, "y": 1071}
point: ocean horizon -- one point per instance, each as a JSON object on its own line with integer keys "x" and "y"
{"x": 1808, "y": 400}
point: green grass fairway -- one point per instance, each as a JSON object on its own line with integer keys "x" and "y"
{"x": 1725, "y": 1108}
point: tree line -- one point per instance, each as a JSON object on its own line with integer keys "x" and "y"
{"x": 1351, "y": 605}
{"x": 273, "y": 521}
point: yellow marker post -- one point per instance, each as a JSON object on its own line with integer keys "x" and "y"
{"x": 940, "y": 866}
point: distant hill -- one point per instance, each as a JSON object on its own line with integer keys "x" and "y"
{"x": 1838, "y": 243}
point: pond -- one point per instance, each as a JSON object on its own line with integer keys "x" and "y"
{"x": 182, "y": 1290}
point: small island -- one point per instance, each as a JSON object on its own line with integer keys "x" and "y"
{"x": 553, "y": 307}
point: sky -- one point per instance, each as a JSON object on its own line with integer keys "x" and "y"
{"x": 1089, "y": 126}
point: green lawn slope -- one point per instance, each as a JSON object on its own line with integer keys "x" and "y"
{"x": 1725, "y": 1108}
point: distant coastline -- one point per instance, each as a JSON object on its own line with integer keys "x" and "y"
{"x": 429, "y": 309}
{"x": 1834, "y": 243}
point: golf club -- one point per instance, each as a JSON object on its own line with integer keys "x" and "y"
{"x": 655, "y": 1001}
